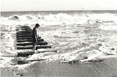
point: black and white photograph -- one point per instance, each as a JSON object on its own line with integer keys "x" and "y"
{"x": 58, "y": 38}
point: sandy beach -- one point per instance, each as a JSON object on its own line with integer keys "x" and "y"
{"x": 108, "y": 68}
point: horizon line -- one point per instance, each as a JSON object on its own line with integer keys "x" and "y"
{"x": 53, "y": 10}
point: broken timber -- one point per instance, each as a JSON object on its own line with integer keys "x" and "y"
{"x": 24, "y": 41}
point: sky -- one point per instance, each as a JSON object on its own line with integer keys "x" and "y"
{"x": 53, "y": 5}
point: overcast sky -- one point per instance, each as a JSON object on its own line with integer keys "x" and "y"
{"x": 46, "y": 5}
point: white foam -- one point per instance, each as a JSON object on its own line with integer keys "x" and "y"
{"x": 108, "y": 27}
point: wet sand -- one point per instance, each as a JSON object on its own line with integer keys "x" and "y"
{"x": 107, "y": 68}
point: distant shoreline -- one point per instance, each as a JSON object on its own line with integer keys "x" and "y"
{"x": 65, "y": 11}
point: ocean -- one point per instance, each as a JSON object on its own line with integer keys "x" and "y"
{"x": 83, "y": 40}
{"x": 9, "y": 13}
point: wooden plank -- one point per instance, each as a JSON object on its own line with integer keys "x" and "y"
{"x": 27, "y": 37}
{"x": 39, "y": 43}
{"x": 27, "y": 61}
{"x": 24, "y": 37}
{"x": 38, "y": 47}
{"x": 24, "y": 54}
{"x": 28, "y": 28}
{"x": 28, "y": 40}
{"x": 24, "y": 33}
{"x": 32, "y": 46}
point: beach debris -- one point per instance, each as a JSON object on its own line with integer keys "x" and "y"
{"x": 19, "y": 74}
